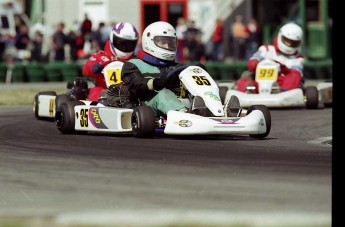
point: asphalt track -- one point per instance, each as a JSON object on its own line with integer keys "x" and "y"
{"x": 118, "y": 180}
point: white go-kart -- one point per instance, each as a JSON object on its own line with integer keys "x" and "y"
{"x": 46, "y": 102}
{"x": 269, "y": 93}
{"x": 141, "y": 121}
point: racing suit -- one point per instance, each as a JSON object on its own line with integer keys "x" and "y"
{"x": 147, "y": 81}
{"x": 93, "y": 68}
{"x": 290, "y": 75}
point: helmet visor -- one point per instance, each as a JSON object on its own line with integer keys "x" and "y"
{"x": 291, "y": 43}
{"x": 124, "y": 45}
{"x": 165, "y": 42}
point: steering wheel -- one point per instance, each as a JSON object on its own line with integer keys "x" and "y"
{"x": 177, "y": 71}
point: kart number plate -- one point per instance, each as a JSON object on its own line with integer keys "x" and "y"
{"x": 266, "y": 73}
{"x": 113, "y": 76}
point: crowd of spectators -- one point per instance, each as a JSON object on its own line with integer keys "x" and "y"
{"x": 79, "y": 41}
{"x": 43, "y": 44}
{"x": 244, "y": 39}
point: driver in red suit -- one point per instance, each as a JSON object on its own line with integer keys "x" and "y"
{"x": 120, "y": 47}
{"x": 285, "y": 52}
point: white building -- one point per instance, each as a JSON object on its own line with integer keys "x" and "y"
{"x": 203, "y": 12}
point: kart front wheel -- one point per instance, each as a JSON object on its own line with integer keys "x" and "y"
{"x": 143, "y": 122}
{"x": 36, "y": 103}
{"x": 65, "y": 116}
{"x": 311, "y": 97}
{"x": 267, "y": 115}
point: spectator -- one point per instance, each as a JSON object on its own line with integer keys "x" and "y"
{"x": 216, "y": 39}
{"x": 22, "y": 39}
{"x": 72, "y": 36}
{"x": 37, "y": 45}
{"x": 239, "y": 38}
{"x": 86, "y": 26}
{"x": 193, "y": 41}
{"x": 75, "y": 41}
{"x": 59, "y": 39}
{"x": 21, "y": 42}
{"x": 2, "y": 46}
{"x": 105, "y": 32}
{"x": 200, "y": 51}
{"x": 254, "y": 37}
{"x": 181, "y": 28}
{"x": 97, "y": 36}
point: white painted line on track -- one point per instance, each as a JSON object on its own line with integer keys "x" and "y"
{"x": 324, "y": 141}
{"x": 154, "y": 218}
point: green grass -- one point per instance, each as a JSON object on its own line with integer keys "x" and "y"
{"x": 49, "y": 221}
{"x": 23, "y": 96}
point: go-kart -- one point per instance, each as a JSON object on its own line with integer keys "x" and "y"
{"x": 326, "y": 93}
{"x": 205, "y": 117}
{"x": 269, "y": 93}
{"x": 45, "y": 102}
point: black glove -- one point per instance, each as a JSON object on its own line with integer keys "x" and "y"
{"x": 97, "y": 68}
{"x": 160, "y": 83}
{"x": 177, "y": 70}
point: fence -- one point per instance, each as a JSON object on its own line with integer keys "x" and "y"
{"x": 60, "y": 71}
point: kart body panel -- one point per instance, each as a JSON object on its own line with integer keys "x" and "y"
{"x": 46, "y": 104}
{"x": 100, "y": 118}
{"x": 325, "y": 92}
{"x": 179, "y": 123}
{"x": 291, "y": 98}
{"x": 199, "y": 83}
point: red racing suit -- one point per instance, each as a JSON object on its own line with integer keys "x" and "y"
{"x": 93, "y": 68}
{"x": 290, "y": 75}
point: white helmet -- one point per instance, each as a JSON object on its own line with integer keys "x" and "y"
{"x": 290, "y": 38}
{"x": 123, "y": 40}
{"x": 159, "y": 40}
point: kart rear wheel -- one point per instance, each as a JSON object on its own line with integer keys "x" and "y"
{"x": 143, "y": 122}
{"x": 311, "y": 97}
{"x": 267, "y": 115}
{"x": 65, "y": 116}
{"x": 61, "y": 99}
{"x": 222, "y": 93}
{"x": 36, "y": 103}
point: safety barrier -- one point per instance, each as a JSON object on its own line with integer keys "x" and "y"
{"x": 36, "y": 72}
{"x": 61, "y": 71}
{"x": 232, "y": 71}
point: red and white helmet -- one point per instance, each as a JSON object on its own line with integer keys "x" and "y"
{"x": 123, "y": 40}
{"x": 290, "y": 38}
{"x": 159, "y": 40}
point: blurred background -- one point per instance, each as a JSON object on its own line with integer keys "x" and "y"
{"x": 205, "y": 30}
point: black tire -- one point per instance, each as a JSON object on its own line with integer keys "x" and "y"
{"x": 36, "y": 106}
{"x": 65, "y": 116}
{"x": 311, "y": 97}
{"x": 222, "y": 93}
{"x": 61, "y": 99}
{"x": 143, "y": 122}
{"x": 267, "y": 115}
